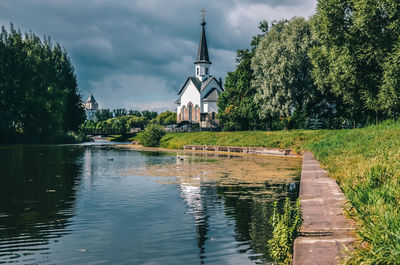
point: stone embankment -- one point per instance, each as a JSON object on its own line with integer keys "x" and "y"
{"x": 239, "y": 149}
{"x": 325, "y": 232}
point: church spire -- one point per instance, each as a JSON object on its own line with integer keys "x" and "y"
{"x": 202, "y": 53}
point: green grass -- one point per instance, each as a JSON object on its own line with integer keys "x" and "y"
{"x": 281, "y": 139}
{"x": 366, "y": 164}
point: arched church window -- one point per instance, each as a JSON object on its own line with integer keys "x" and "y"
{"x": 196, "y": 109}
{"x": 183, "y": 113}
{"x": 206, "y": 71}
{"x": 190, "y": 112}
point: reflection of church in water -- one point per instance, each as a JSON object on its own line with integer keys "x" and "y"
{"x": 200, "y": 198}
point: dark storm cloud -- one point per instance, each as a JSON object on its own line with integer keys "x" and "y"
{"x": 136, "y": 54}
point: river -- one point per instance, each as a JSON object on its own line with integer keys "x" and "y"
{"x": 101, "y": 203}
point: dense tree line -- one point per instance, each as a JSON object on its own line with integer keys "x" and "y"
{"x": 123, "y": 120}
{"x": 339, "y": 69}
{"x": 39, "y": 95}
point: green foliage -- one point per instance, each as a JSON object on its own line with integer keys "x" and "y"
{"x": 39, "y": 96}
{"x": 149, "y": 114}
{"x": 166, "y": 118}
{"x": 357, "y": 56}
{"x": 102, "y": 115}
{"x": 282, "y": 72}
{"x": 152, "y": 135}
{"x": 237, "y": 109}
{"x": 125, "y": 120}
{"x": 120, "y": 112}
{"x": 286, "y": 226}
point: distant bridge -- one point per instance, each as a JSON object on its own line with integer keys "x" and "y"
{"x": 107, "y": 132}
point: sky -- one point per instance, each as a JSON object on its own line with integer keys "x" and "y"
{"x": 137, "y": 54}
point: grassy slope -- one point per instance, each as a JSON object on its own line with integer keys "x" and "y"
{"x": 281, "y": 139}
{"x": 365, "y": 162}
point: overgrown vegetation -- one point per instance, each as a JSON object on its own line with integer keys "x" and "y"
{"x": 152, "y": 135}
{"x": 366, "y": 164}
{"x": 286, "y": 226}
{"x": 39, "y": 97}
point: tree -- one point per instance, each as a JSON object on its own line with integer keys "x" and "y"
{"x": 152, "y": 135}
{"x": 282, "y": 70}
{"x": 149, "y": 114}
{"x": 39, "y": 96}
{"x": 137, "y": 122}
{"x": 134, "y": 113}
{"x": 237, "y": 109}
{"x": 166, "y": 118}
{"x": 120, "y": 112}
{"x": 102, "y": 115}
{"x": 355, "y": 58}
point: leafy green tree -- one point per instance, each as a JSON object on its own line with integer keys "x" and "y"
{"x": 134, "y": 113}
{"x": 152, "y": 135}
{"x": 237, "y": 109}
{"x": 356, "y": 55}
{"x": 39, "y": 96}
{"x": 149, "y": 114}
{"x": 120, "y": 112}
{"x": 102, "y": 115}
{"x": 282, "y": 72}
{"x": 137, "y": 122}
{"x": 166, "y": 118}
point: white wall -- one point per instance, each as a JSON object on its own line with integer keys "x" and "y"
{"x": 190, "y": 94}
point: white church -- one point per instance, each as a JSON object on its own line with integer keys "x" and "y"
{"x": 197, "y": 102}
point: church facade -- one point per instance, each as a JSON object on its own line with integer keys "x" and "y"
{"x": 197, "y": 101}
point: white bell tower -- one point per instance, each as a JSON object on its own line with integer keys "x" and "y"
{"x": 202, "y": 63}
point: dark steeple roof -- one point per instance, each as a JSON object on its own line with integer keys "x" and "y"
{"x": 91, "y": 99}
{"x": 202, "y": 53}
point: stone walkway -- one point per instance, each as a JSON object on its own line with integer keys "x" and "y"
{"x": 325, "y": 232}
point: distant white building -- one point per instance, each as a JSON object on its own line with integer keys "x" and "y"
{"x": 197, "y": 102}
{"x": 91, "y": 107}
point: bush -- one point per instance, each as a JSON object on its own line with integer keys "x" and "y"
{"x": 152, "y": 135}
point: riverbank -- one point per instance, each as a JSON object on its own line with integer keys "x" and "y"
{"x": 61, "y": 138}
{"x": 365, "y": 163}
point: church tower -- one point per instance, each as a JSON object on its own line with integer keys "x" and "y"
{"x": 202, "y": 64}
{"x": 198, "y": 97}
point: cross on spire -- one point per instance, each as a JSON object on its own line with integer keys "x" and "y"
{"x": 203, "y": 11}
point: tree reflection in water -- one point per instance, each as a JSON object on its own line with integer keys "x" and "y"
{"x": 37, "y": 197}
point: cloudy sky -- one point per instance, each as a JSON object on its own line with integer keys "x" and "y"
{"x": 136, "y": 54}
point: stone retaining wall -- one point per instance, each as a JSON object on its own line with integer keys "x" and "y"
{"x": 238, "y": 149}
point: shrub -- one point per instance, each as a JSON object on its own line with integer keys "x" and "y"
{"x": 152, "y": 135}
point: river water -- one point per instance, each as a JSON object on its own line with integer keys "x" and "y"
{"x": 104, "y": 204}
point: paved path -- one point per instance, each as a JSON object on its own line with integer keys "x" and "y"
{"x": 325, "y": 231}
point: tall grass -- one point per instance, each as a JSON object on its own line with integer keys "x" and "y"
{"x": 366, "y": 164}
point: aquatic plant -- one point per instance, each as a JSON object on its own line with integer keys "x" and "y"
{"x": 286, "y": 226}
